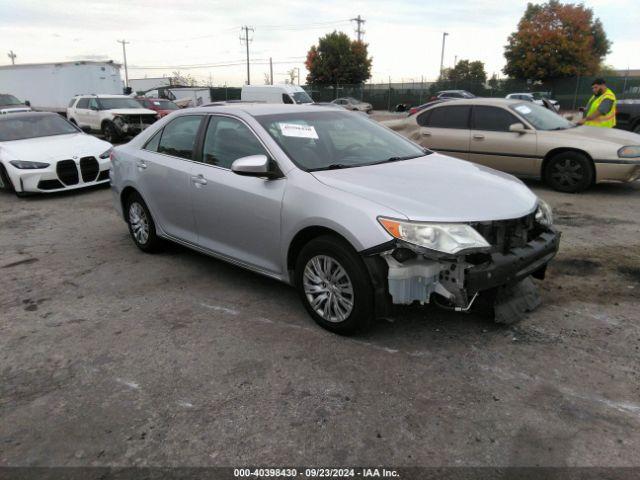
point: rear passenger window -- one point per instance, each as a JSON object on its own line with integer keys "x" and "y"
{"x": 179, "y": 137}
{"x": 83, "y": 103}
{"x": 492, "y": 119}
{"x": 227, "y": 140}
{"x": 446, "y": 117}
{"x": 152, "y": 145}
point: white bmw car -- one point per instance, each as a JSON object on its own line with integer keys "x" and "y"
{"x": 43, "y": 152}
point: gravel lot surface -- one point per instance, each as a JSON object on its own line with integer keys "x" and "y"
{"x": 109, "y": 356}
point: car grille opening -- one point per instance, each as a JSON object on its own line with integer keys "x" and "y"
{"x": 49, "y": 184}
{"x": 67, "y": 172}
{"x": 89, "y": 169}
{"x": 104, "y": 175}
{"x": 503, "y": 235}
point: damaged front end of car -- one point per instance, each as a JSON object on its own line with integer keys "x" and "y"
{"x": 451, "y": 264}
{"x": 131, "y": 125}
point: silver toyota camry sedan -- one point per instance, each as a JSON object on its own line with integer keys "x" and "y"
{"x": 355, "y": 216}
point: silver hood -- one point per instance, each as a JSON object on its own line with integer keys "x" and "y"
{"x": 436, "y": 188}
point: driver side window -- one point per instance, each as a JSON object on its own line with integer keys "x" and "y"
{"x": 93, "y": 104}
{"x": 286, "y": 98}
{"x": 228, "y": 139}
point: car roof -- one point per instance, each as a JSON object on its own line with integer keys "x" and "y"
{"x": 17, "y": 115}
{"x": 101, "y": 95}
{"x": 480, "y": 101}
{"x": 256, "y": 109}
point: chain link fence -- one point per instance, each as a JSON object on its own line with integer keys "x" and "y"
{"x": 570, "y": 92}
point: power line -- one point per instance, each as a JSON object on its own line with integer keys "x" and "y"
{"x": 360, "y": 21}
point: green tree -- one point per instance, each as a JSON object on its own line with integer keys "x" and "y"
{"x": 466, "y": 75}
{"x": 338, "y": 60}
{"x": 556, "y": 40}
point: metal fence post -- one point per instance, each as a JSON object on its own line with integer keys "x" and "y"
{"x": 389, "y": 99}
{"x": 575, "y": 94}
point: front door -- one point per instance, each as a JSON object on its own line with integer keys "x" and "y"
{"x": 236, "y": 216}
{"x": 493, "y": 145}
{"x": 445, "y": 129}
{"x": 93, "y": 115}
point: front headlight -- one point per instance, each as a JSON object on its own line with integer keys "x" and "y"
{"x": 106, "y": 154}
{"x": 450, "y": 238}
{"x": 632, "y": 151}
{"x": 544, "y": 214}
{"x": 25, "y": 165}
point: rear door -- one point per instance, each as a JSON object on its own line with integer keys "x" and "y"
{"x": 445, "y": 129}
{"x": 236, "y": 216}
{"x": 493, "y": 145}
{"x": 164, "y": 168}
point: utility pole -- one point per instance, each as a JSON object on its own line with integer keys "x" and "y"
{"x": 298, "y": 69}
{"x": 124, "y": 54}
{"x": 246, "y": 40}
{"x": 271, "y": 70}
{"x": 359, "y": 20}
{"x": 444, "y": 37}
{"x": 12, "y": 56}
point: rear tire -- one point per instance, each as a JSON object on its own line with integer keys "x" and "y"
{"x": 334, "y": 285}
{"x": 141, "y": 225}
{"x": 569, "y": 172}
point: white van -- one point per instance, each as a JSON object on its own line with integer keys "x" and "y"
{"x": 274, "y": 94}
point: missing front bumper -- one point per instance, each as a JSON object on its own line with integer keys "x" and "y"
{"x": 455, "y": 280}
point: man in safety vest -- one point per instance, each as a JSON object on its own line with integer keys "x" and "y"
{"x": 601, "y": 109}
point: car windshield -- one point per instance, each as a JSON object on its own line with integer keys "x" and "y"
{"x": 113, "y": 103}
{"x": 301, "y": 97}
{"x": 541, "y": 118}
{"x": 29, "y": 126}
{"x": 9, "y": 100}
{"x": 335, "y": 139}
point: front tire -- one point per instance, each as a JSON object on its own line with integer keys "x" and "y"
{"x": 569, "y": 172}
{"x": 109, "y": 133}
{"x": 5, "y": 181}
{"x": 141, "y": 225}
{"x": 334, "y": 285}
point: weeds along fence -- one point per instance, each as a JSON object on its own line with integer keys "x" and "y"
{"x": 571, "y": 92}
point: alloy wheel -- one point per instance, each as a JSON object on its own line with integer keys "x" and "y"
{"x": 567, "y": 172}
{"x": 139, "y": 223}
{"x": 328, "y": 288}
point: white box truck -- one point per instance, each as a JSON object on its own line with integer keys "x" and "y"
{"x": 51, "y": 86}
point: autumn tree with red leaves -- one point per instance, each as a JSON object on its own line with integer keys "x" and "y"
{"x": 338, "y": 60}
{"x": 556, "y": 40}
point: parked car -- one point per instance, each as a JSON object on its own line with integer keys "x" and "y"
{"x": 355, "y": 216}
{"x": 183, "y": 97}
{"x": 628, "y": 115}
{"x": 159, "y": 105}
{"x": 286, "y": 93}
{"x": 351, "y": 103}
{"x": 527, "y": 140}
{"x": 116, "y": 116}
{"x": 452, "y": 94}
{"x": 10, "y": 104}
{"x": 537, "y": 98}
{"x": 43, "y": 152}
{"x": 419, "y": 108}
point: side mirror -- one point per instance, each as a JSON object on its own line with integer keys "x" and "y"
{"x": 255, "y": 166}
{"x": 518, "y": 128}
{"x": 27, "y": 103}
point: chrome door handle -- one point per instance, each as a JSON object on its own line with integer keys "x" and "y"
{"x": 478, "y": 136}
{"x": 425, "y": 133}
{"x": 199, "y": 180}
{"x": 141, "y": 164}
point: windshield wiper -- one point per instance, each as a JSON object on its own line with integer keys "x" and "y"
{"x": 406, "y": 157}
{"x": 334, "y": 166}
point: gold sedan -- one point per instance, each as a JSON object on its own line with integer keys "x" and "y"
{"x": 526, "y": 140}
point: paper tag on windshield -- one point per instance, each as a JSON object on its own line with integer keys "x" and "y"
{"x": 523, "y": 109}
{"x": 296, "y": 130}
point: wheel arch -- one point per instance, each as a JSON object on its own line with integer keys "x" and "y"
{"x": 552, "y": 153}
{"x": 124, "y": 195}
{"x": 304, "y": 236}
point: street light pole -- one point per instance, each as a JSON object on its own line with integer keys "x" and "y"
{"x": 444, "y": 36}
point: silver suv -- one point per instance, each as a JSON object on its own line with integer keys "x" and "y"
{"x": 355, "y": 216}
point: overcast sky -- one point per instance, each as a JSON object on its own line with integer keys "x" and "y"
{"x": 404, "y": 36}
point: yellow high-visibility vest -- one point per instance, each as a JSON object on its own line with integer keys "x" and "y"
{"x": 608, "y": 120}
